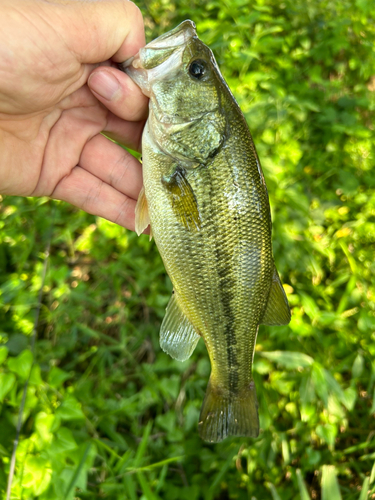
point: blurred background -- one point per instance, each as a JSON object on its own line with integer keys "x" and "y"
{"x": 107, "y": 414}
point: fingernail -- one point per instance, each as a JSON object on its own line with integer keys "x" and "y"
{"x": 104, "y": 84}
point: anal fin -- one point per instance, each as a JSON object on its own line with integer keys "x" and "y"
{"x": 178, "y": 337}
{"x": 277, "y": 311}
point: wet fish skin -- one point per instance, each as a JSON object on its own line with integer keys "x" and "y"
{"x": 207, "y": 202}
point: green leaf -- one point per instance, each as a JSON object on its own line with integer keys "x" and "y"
{"x": 319, "y": 378}
{"x": 275, "y": 495}
{"x": 149, "y": 494}
{"x": 21, "y": 365}
{"x": 36, "y": 474}
{"x": 358, "y": 366}
{"x": 43, "y": 425}
{"x": 288, "y": 359}
{"x": 142, "y": 447}
{"x": 3, "y": 354}
{"x": 219, "y": 477}
{"x": 365, "y": 489}
{"x": 304, "y": 494}
{"x": 372, "y": 475}
{"x": 57, "y": 377}
{"x": 35, "y": 375}
{"x": 328, "y": 433}
{"x": 77, "y": 471}
{"x": 330, "y": 485}
{"x": 130, "y": 487}
{"x": 7, "y": 381}
{"x": 70, "y": 409}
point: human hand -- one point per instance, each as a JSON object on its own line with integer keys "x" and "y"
{"x": 50, "y": 121}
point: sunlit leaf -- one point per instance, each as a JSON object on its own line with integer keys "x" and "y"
{"x": 330, "y": 485}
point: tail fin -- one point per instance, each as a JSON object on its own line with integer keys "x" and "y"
{"x": 226, "y": 414}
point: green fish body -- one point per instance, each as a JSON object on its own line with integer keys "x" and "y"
{"x": 206, "y": 201}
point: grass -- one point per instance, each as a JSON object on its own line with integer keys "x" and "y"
{"x": 107, "y": 413}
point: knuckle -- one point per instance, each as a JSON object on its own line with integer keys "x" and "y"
{"x": 123, "y": 212}
{"x": 92, "y": 196}
{"x": 120, "y": 170}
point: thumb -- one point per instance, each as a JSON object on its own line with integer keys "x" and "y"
{"x": 97, "y": 30}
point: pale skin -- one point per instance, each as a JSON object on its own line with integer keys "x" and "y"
{"x": 59, "y": 89}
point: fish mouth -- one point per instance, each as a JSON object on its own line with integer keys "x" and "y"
{"x": 159, "y": 57}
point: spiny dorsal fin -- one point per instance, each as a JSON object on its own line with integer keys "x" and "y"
{"x": 178, "y": 337}
{"x": 277, "y": 311}
{"x": 142, "y": 218}
{"x": 184, "y": 202}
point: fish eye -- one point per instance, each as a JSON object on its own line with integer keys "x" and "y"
{"x": 198, "y": 68}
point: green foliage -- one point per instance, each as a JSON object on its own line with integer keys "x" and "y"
{"x": 107, "y": 414}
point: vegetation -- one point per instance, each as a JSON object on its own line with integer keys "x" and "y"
{"x": 107, "y": 414}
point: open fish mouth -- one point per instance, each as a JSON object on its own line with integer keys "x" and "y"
{"x": 159, "y": 57}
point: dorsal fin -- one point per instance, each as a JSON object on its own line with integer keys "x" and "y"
{"x": 277, "y": 311}
{"x": 178, "y": 337}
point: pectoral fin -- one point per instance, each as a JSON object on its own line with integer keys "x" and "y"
{"x": 178, "y": 337}
{"x": 184, "y": 202}
{"x": 277, "y": 311}
{"x": 142, "y": 218}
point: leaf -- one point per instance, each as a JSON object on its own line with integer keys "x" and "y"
{"x": 77, "y": 471}
{"x": 37, "y": 474}
{"x": 7, "y": 381}
{"x": 130, "y": 487}
{"x": 21, "y": 365}
{"x": 219, "y": 477}
{"x": 3, "y": 354}
{"x": 63, "y": 441}
{"x": 275, "y": 495}
{"x": 330, "y": 485}
{"x": 358, "y": 366}
{"x": 35, "y": 375}
{"x": 70, "y": 409}
{"x": 149, "y": 494}
{"x": 304, "y": 494}
{"x": 142, "y": 447}
{"x": 57, "y": 377}
{"x": 364, "y": 490}
{"x": 372, "y": 475}
{"x": 288, "y": 359}
{"x": 328, "y": 433}
{"x": 43, "y": 425}
{"x": 320, "y": 382}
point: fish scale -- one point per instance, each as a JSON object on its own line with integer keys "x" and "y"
{"x": 206, "y": 200}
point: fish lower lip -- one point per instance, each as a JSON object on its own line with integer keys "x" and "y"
{"x": 133, "y": 68}
{"x": 126, "y": 63}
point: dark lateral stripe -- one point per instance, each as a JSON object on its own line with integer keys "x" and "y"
{"x": 227, "y": 290}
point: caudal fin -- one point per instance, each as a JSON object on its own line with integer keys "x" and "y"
{"x": 226, "y": 414}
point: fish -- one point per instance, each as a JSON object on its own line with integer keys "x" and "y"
{"x": 205, "y": 199}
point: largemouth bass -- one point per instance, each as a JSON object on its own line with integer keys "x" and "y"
{"x": 206, "y": 200}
